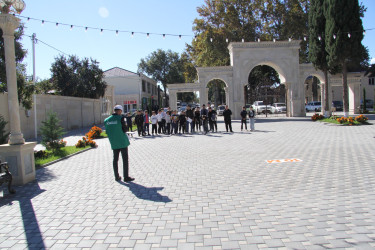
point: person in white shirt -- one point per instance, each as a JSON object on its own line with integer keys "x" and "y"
{"x": 154, "y": 121}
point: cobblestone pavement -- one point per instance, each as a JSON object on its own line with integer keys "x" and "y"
{"x": 206, "y": 192}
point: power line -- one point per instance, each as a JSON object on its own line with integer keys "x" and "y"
{"x": 38, "y": 40}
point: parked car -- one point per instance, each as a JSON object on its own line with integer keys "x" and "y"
{"x": 313, "y": 106}
{"x": 278, "y": 107}
{"x": 220, "y": 110}
{"x": 337, "y": 105}
{"x": 260, "y": 107}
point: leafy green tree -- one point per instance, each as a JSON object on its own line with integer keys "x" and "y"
{"x": 343, "y": 35}
{"x": 317, "y": 45}
{"x": 80, "y": 78}
{"x": 3, "y": 134}
{"x": 52, "y": 132}
{"x": 44, "y": 86}
{"x": 25, "y": 89}
{"x": 164, "y": 67}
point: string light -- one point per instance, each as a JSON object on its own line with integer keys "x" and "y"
{"x": 164, "y": 35}
{"x": 243, "y": 40}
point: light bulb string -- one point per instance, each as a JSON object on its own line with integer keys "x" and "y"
{"x": 117, "y": 31}
{"x": 101, "y": 29}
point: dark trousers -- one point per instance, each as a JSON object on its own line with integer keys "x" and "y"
{"x": 168, "y": 128}
{"x": 228, "y": 124}
{"x": 174, "y": 128}
{"x": 125, "y": 161}
{"x": 243, "y": 121}
{"x": 198, "y": 125}
{"x": 160, "y": 127}
{"x": 154, "y": 128}
{"x": 163, "y": 125}
{"x": 140, "y": 129}
{"x": 147, "y": 128}
{"x": 213, "y": 126}
{"x": 182, "y": 127}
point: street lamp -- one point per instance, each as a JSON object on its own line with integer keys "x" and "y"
{"x": 12, "y": 6}
{"x": 18, "y": 154}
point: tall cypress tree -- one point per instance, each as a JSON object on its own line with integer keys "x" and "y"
{"x": 317, "y": 45}
{"x": 343, "y": 35}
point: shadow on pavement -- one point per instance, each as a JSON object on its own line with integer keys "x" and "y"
{"x": 146, "y": 193}
{"x": 24, "y": 197}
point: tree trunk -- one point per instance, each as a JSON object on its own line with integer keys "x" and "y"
{"x": 327, "y": 106}
{"x": 345, "y": 96}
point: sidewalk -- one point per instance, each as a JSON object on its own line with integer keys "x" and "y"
{"x": 206, "y": 192}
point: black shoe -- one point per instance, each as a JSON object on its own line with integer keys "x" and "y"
{"x": 128, "y": 179}
{"x": 118, "y": 178}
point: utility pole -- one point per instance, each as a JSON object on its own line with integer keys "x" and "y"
{"x": 34, "y": 40}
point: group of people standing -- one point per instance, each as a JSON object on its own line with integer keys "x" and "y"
{"x": 169, "y": 122}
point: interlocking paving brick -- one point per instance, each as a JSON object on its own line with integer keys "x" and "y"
{"x": 206, "y": 192}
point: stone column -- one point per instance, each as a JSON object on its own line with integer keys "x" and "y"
{"x": 8, "y": 24}
{"x": 173, "y": 99}
{"x": 18, "y": 154}
{"x": 354, "y": 98}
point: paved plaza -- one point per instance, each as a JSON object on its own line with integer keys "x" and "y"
{"x": 214, "y": 191}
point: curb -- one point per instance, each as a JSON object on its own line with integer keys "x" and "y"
{"x": 63, "y": 158}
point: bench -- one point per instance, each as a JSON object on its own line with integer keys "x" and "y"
{"x": 6, "y": 176}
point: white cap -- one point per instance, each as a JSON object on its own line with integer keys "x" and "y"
{"x": 118, "y": 107}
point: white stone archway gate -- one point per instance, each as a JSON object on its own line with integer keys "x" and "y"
{"x": 283, "y": 56}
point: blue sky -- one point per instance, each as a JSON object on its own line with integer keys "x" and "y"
{"x": 163, "y": 16}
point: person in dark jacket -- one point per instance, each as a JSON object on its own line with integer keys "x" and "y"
{"x": 204, "y": 113}
{"x": 182, "y": 119}
{"x": 115, "y": 128}
{"x": 243, "y": 117}
{"x": 227, "y": 118}
{"x": 189, "y": 119}
{"x": 129, "y": 122}
{"x": 197, "y": 119}
{"x": 212, "y": 119}
{"x": 139, "y": 122}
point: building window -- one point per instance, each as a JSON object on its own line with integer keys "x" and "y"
{"x": 148, "y": 87}
{"x": 371, "y": 81}
{"x": 143, "y": 86}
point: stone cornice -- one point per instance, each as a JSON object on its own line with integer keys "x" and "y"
{"x": 215, "y": 69}
{"x": 8, "y": 24}
{"x": 267, "y": 44}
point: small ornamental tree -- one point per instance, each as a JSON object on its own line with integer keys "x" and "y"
{"x": 3, "y": 134}
{"x": 52, "y": 132}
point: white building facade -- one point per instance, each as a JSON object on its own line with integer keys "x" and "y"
{"x": 132, "y": 90}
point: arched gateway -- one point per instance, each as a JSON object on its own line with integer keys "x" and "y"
{"x": 283, "y": 56}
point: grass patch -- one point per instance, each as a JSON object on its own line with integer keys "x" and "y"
{"x": 65, "y": 151}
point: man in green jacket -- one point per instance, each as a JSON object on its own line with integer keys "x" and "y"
{"x": 115, "y": 128}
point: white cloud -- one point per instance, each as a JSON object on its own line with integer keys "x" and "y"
{"x": 372, "y": 60}
{"x": 103, "y": 12}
